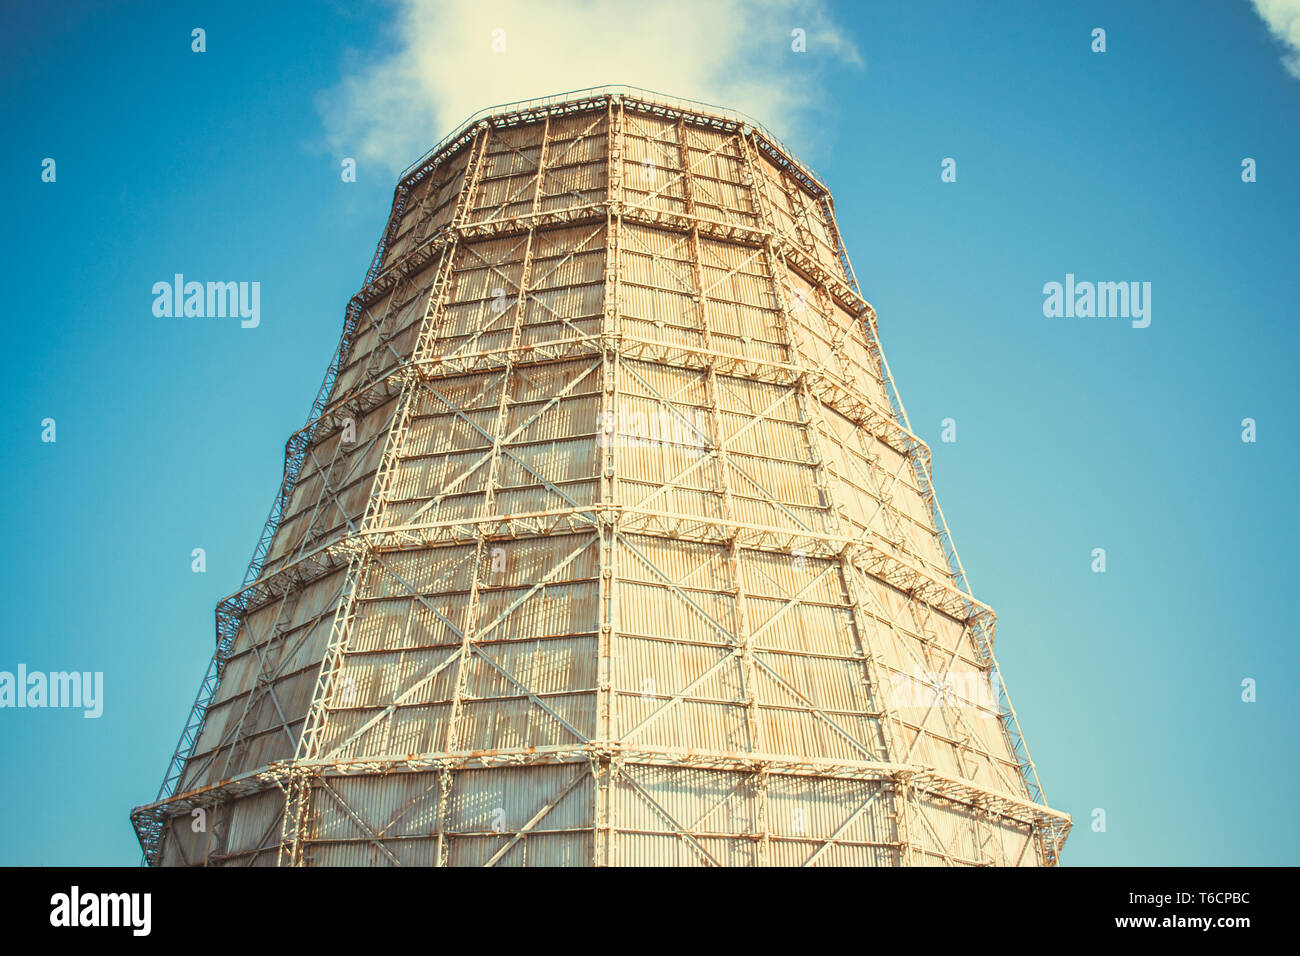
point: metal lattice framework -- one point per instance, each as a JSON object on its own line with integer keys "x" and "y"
{"x": 607, "y": 542}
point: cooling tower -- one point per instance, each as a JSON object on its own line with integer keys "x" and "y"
{"x": 607, "y": 542}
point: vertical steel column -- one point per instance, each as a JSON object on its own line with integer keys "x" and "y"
{"x": 482, "y": 562}
{"x": 607, "y": 514}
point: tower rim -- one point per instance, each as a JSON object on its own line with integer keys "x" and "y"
{"x": 539, "y": 106}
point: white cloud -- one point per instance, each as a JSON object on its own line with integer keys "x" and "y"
{"x": 728, "y": 52}
{"x": 1283, "y": 19}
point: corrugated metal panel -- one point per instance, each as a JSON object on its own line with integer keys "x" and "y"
{"x": 830, "y": 684}
{"x": 252, "y": 820}
{"x": 569, "y": 416}
{"x": 554, "y": 461}
{"x": 654, "y": 798}
{"x": 804, "y": 627}
{"x": 685, "y": 385}
{"x": 544, "y": 667}
{"x": 653, "y": 671}
{"x": 569, "y": 148}
{"x": 673, "y": 560}
{"x": 815, "y": 809}
{"x": 792, "y": 483}
{"x": 184, "y": 847}
{"x": 569, "y": 186}
{"x": 569, "y": 262}
{"x": 656, "y": 612}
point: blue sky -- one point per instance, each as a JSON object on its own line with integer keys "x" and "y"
{"x": 1072, "y": 434}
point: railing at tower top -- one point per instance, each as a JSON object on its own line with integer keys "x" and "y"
{"x": 593, "y": 93}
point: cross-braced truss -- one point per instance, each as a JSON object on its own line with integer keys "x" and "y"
{"x": 607, "y": 542}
